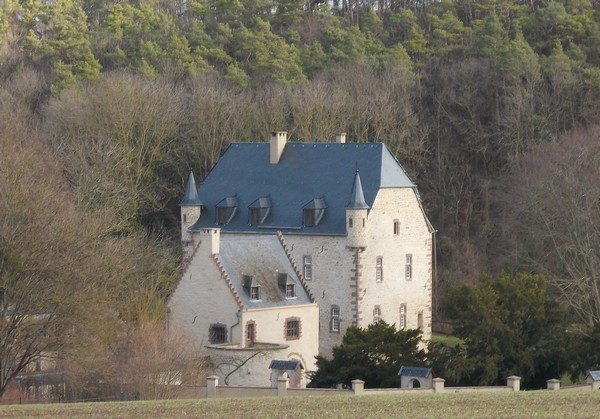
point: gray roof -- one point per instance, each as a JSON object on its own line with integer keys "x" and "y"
{"x": 258, "y": 261}
{"x": 595, "y": 375}
{"x": 191, "y": 192}
{"x": 414, "y": 371}
{"x": 277, "y": 364}
{"x": 307, "y": 174}
{"x": 357, "y": 196}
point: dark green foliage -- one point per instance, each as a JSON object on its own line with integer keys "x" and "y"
{"x": 509, "y": 326}
{"x": 374, "y": 355}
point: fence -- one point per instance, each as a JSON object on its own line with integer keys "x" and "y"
{"x": 213, "y": 389}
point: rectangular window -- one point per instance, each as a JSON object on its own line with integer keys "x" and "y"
{"x": 420, "y": 320}
{"x": 396, "y": 227}
{"x": 255, "y": 293}
{"x": 408, "y": 267}
{"x": 290, "y": 291}
{"x": 309, "y": 217}
{"x": 217, "y": 333}
{"x": 379, "y": 269}
{"x": 292, "y": 328}
{"x": 402, "y": 316}
{"x": 307, "y": 268}
{"x": 254, "y": 216}
{"x": 222, "y": 215}
{"x": 376, "y": 314}
{"x": 250, "y": 332}
{"x": 335, "y": 319}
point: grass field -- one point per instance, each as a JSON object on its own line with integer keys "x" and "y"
{"x": 532, "y": 404}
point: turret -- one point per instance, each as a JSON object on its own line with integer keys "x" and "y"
{"x": 356, "y": 215}
{"x": 191, "y": 208}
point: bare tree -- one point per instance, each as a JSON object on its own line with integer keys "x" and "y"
{"x": 553, "y": 222}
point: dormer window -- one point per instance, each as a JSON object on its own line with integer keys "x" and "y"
{"x": 286, "y": 285}
{"x": 252, "y": 288}
{"x": 258, "y": 211}
{"x": 313, "y": 212}
{"x": 226, "y": 210}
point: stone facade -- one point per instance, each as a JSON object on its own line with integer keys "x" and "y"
{"x": 346, "y": 276}
{"x": 356, "y": 262}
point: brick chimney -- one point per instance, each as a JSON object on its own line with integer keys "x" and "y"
{"x": 340, "y": 138}
{"x": 277, "y": 140}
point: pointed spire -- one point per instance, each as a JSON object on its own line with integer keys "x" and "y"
{"x": 191, "y": 197}
{"x": 357, "y": 197}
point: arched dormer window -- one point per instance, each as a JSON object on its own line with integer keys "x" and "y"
{"x": 313, "y": 212}
{"x": 259, "y": 210}
{"x": 226, "y": 210}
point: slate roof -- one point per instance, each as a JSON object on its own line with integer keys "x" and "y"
{"x": 277, "y": 364}
{"x": 357, "y": 196}
{"x": 414, "y": 371}
{"x": 191, "y": 197}
{"x": 305, "y": 172}
{"x": 257, "y": 260}
{"x": 595, "y": 375}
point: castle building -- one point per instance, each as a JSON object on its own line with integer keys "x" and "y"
{"x": 290, "y": 243}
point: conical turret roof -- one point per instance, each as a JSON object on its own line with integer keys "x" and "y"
{"x": 191, "y": 197}
{"x": 357, "y": 197}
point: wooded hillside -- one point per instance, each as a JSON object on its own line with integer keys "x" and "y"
{"x": 105, "y": 105}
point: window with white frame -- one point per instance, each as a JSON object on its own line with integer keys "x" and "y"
{"x": 402, "y": 316}
{"x": 379, "y": 269}
{"x": 376, "y": 314}
{"x": 255, "y": 293}
{"x": 335, "y": 319}
{"x": 307, "y": 267}
{"x": 408, "y": 267}
{"x": 290, "y": 291}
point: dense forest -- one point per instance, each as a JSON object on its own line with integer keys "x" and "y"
{"x": 491, "y": 106}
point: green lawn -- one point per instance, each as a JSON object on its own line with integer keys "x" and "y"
{"x": 541, "y": 404}
{"x": 448, "y": 340}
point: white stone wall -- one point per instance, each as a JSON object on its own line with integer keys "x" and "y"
{"x": 245, "y": 367}
{"x": 333, "y": 279}
{"x": 189, "y": 215}
{"x": 269, "y": 324}
{"x": 414, "y": 238}
{"x": 202, "y": 298}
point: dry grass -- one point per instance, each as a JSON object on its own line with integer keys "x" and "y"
{"x": 540, "y": 404}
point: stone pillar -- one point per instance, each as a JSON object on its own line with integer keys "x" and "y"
{"x": 438, "y": 385}
{"x": 358, "y": 387}
{"x": 553, "y": 384}
{"x": 282, "y": 386}
{"x": 211, "y": 386}
{"x": 514, "y": 382}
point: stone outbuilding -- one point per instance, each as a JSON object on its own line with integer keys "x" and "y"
{"x": 292, "y": 368}
{"x": 415, "y": 377}
{"x": 593, "y": 378}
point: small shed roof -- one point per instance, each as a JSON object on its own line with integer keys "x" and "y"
{"x": 278, "y": 364}
{"x": 595, "y": 375}
{"x": 414, "y": 371}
